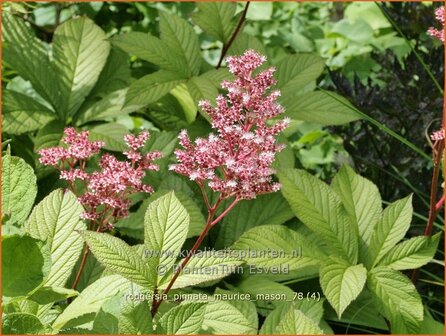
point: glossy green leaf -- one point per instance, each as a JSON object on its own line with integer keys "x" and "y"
{"x": 56, "y": 220}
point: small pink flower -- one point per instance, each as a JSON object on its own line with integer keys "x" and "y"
{"x": 440, "y": 16}
{"x": 437, "y": 135}
{"x": 237, "y": 160}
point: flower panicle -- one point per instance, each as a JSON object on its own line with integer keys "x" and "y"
{"x": 106, "y": 191}
{"x": 237, "y": 159}
{"x": 438, "y": 33}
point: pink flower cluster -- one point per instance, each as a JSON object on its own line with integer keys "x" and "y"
{"x": 105, "y": 193}
{"x": 237, "y": 160}
{"x": 439, "y": 15}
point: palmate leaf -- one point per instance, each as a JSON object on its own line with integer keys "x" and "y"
{"x": 398, "y": 298}
{"x": 291, "y": 249}
{"x": 269, "y": 209}
{"x": 180, "y": 37}
{"x": 80, "y": 51}
{"x": 320, "y": 209}
{"x": 153, "y": 50}
{"x": 295, "y": 322}
{"x": 320, "y": 107}
{"x": 390, "y": 230}
{"x": 27, "y": 55}
{"x": 55, "y": 220}
{"x": 184, "y": 319}
{"x": 25, "y": 264}
{"x": 22, "y": 113}
{"x": 120, "y": 258}
{"x": 216, "y": 19}
{"x": 342, "y": 283}
{"x": 294, "y": 72}
{"x": 361, "y": 200}
{"x": 412, "y": 253}
{"x": 165, "y": 229}
{"x": 84, "y": 308}
{"x": 150, "y": 88}
{"x": 204, "y": 267}
{"x": 19, "y": 189}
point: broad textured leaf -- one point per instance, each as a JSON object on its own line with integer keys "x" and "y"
{"x": 362, "y": 201}
{"x": 120, "y": 258}
{"x": 135, "y": 318}
{"x": 269, "y": 209}
{"x": 270, "y": 246}
{"x": 180, "y": 37}
{"x": 342, "y": 283}
{"x": 216, "y": 76}
{"x": 184, "y": 319}
{"x": 295, "y": 322}
{"x": 230, "y": 317}
{"x": 153, "y": 50}
{"x": 45, "y": 295}
{"x": 109, "y": 106}
{"x": 245, "y": 41}
{"x": 165, "y": 230}
{"x": 391, "y": 229}
{"x": 80, "y": 50}
{"x": 205, "y": 267}
{"x": 112, "y": 134}
{"x": 56, "y": 219}
{"x": 150, "y": 88}
{"x": 23, "y": 323}
{"x": 25, "y": 264}
{"x": 202, "y": 88}
{"x": 320, "y": 107}
{"x": 319, "y": 208}
{"x": 92, "y": 271}
{"x": 216, "y": 19}
{"x": 413, "y": 253}
{"x": 19, "y": 189}
{"x": 398, "y": 298}
{"x": 49, "y": 135}
{"x": 184, "y": 98}
{"x": 294, "y": 72}
{"x": 22, "y": 114}
{"x": 273, "y": 319}
{"x": 84, "y": 308}
{"x": 27, "y": 55}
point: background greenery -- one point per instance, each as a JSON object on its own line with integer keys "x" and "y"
{"x": 378, "y": 56}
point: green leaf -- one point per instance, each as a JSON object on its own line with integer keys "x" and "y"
{"x": 269, "y": 209}
{"x": 399, "y": 299}
{"x": 320, "y": 209}
{"x": 120, "y": 258}
{"x": 112, "y": 134}
{"x": 27, "y": 55}
{"x": 180, "y": 37}
{"x": 274, "y": 318}
{"x": 80, "y": 51}
{"x": 135, "y": 318}
{"x": 216, "y": 19}
{"x": 395, "y": 222}
{"x": 92, "y": 271}
{"x": 22, "y": 323}
{"x": 230, "y": 317}
{"x": 87, "y": 304}
{"x": 184, "y": 319}
{"x": 295, "y": 322}
{"x": 55, "y": 219}
{"x": 45, "y": 295}
{"x": 204, "y": 267}
{"x": 319, "y": 107}
{"x": 22, "y": 114}
{"x": 361, "y": 200}
{"x": 243, "y": 42}
{"x": 411, "y": 254}
{"x": 19, "y": 189}
{"x": 108, "y": 107}
{"x": 49, "y": 135}
{"x": 25, "y": 264}
{"x": 202, "y": 88}
{"x": 272, "y": 246}
{"x": 342, "y": 283}
{"x": 294, "y": 72}
{"x": 186, "y": 102}
{"x": 165, "y": 225}
{"x": 150, "y": 88}
{"x": 153, "y": 50}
